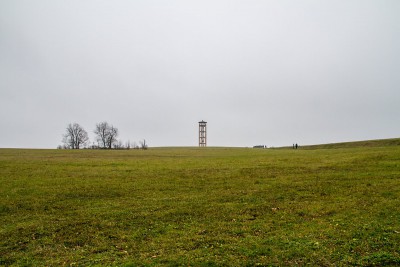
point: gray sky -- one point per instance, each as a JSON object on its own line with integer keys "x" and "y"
{"x": 258, "y": 71}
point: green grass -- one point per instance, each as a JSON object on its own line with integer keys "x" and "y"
{"x": 201, "y": 207}
{"x": 368, "y": 143}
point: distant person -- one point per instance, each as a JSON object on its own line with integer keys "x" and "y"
{"x": 293, "y": 146}
{"x": 296, "y": 146}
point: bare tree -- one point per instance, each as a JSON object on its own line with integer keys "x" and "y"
{"x": 101, "y": 134}
{"x": 112, "y": 136}
{"x": 118, "y": 145}
{"x": 106, "y": 135}
{"x": 128, "y": 145}
{"x": 143, "y": 144}
{"x": 75, "y": 137}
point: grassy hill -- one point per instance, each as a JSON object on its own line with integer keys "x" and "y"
{"x": 201, "y": 206}
{"x": 368, "y": 143}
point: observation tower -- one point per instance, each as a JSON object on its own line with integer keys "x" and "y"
{"x": 202, "y": 134}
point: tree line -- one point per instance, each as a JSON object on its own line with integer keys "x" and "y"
{"x": 106, "y": 135}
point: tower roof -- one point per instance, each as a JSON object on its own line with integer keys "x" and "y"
{"x": 202, "y": 121}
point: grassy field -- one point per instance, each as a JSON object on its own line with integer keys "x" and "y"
{"x": 322, "y": 206}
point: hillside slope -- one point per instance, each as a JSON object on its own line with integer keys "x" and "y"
{"x": 367, "y": 143}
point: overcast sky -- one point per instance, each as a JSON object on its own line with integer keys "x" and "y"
{"x": 271, "y": 72}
